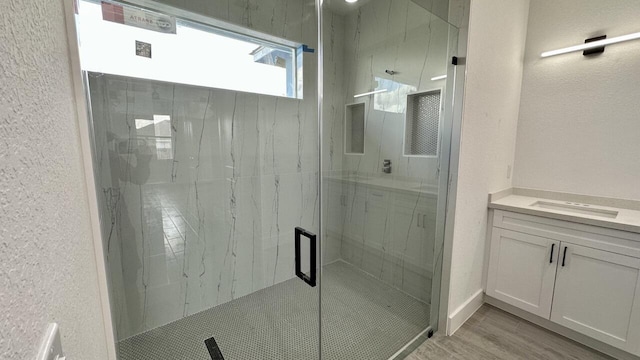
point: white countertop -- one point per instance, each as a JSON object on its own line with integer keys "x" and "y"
{"x": 524, "y": 200}
{"x": 389, "y": 183}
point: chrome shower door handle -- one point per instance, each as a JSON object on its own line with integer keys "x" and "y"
{"x": 311, "y": 277}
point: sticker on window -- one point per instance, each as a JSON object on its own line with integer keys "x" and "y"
{"x": 138, "y": 18}
{"x": 143, "y": 49}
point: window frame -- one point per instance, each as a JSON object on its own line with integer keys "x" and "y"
{"x": 294, "y": 69}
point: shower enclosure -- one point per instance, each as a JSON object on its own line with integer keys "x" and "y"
{"x": 271, "y": 175}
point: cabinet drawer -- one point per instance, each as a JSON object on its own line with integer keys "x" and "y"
{"x": 616, "y": 241}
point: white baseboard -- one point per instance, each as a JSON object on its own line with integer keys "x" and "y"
{"x": 464, "y": 312}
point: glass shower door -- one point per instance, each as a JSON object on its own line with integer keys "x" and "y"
{"x": 212, "y": 163}
{"x": 387, "y": 109}
{"x": 205, "y": 144}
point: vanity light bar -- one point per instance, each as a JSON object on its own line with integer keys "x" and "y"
{"x": 441, "y": 77}
{"x": 370, "y": 93}
{"x": 592, "y": 45}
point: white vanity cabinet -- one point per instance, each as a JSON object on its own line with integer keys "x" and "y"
{"x": 596, "y": 293}
{"x": 522, "y": 270}
{"x": 583, "y": 277}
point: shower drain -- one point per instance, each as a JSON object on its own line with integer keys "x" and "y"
{"x": 213, "y": 348}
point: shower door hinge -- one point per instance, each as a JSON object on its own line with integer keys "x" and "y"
{"x": 458, "y": 60}
{"x": 306, "y": 48}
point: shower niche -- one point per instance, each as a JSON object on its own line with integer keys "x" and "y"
{"x": 422, "y": 123}
{"x": 354, "y": 125}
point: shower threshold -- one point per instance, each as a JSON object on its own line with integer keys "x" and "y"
{"x": 362, "y": 318}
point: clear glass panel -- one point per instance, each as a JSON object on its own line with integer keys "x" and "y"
{"x": 205, "y": 187}
{"x": 201, "y": 191}
{"x": 130, "y": 41}
{"x": 384, "y": 208}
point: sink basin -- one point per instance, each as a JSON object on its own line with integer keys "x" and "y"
{"x": 576, "y": 208}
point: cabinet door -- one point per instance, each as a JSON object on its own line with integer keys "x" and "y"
{"x": 522, "y": 270}
{"x": 596, "y": 294}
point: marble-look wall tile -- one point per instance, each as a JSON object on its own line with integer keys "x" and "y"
{"x": 211, "y": 218}
{"x": 403, "y": 37}
{"x": 290, "y": 19}
{"x": 334, "y": 96}
{"x": 459, "y": 13}
{"x": 206, "y": 214}
{"x": 290, "y": 136}
{"x": 439, "y": 8}
{"x": 333, "y": 132}
{"x": 410, "y": 39}
{"x": 286, "y": 147}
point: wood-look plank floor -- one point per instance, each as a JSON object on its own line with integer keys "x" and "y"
{"x": 494, "y": 334}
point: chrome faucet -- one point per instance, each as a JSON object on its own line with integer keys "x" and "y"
{"x": 386, "y": 166}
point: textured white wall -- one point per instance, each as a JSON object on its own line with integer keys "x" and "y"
{"x": 47, "y": 262}
{"x": 497, "y": 31}
{"x": 578, "y": 129}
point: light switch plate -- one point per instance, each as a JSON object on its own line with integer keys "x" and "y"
{"x": 51, "y": 346}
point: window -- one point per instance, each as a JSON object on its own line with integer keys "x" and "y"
{"x": 156, "y": 134}
{"x": 391, "y": 97}
{"x": 124, "y": 40}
